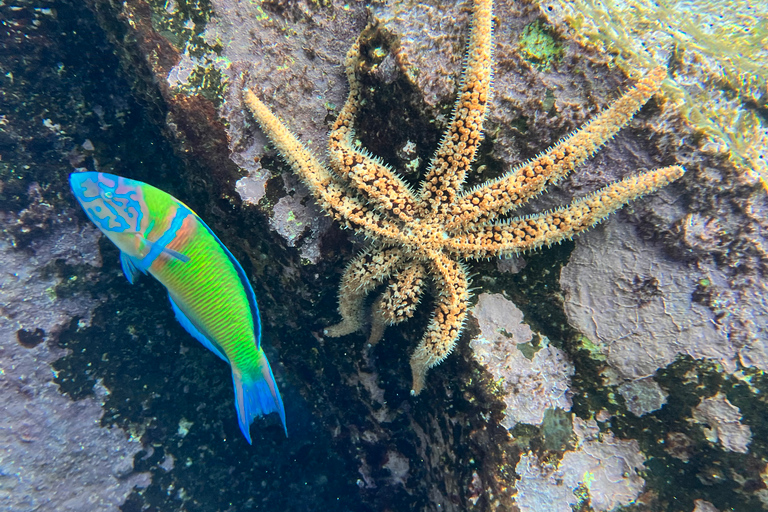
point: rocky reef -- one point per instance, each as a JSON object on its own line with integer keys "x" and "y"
{"x": 622, "y": 370}
{"x": 43, "y": 434}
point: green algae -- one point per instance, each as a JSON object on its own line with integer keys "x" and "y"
{"x": 540, "y": 46}
{"x": 207, "y": 81}
{"x": 182, "y": 23}
{"x": 718, "y": 60}
{"x": 595, "y": 350}
{"x": 682, "y": 465}
{"x": 557, "y": 430}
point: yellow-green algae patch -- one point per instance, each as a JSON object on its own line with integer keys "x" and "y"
{"x": 183, "y": 23}
{"x": 717, "y": 53}
{"x": 539, "y": 45}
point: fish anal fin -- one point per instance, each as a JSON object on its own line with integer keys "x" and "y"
{"x": 187, "y": 324}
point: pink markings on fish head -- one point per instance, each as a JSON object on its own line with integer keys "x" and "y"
{"x": 113, "y": 203}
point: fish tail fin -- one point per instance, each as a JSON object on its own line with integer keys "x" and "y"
{"x": 256, "y": 394}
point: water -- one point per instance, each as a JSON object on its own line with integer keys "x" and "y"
{"x": 111, "y": 405}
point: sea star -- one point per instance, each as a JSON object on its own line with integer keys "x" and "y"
{"x": 427, "y": 232}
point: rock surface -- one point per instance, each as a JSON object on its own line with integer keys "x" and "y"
{"x": 54, "y": 453}
{"x": 529, "y": 385}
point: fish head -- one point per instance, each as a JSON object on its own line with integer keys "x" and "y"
{"x": 115, "y": 204}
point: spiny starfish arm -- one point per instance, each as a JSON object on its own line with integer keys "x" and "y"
{"x": 364, "y": 273}
{"x": 334, "y": 197}
{"x": 488, "y": 202}
{"x": 524, "y": 234}
{"x": 399, "y": 300}
{"x": 371, "y": 177}
{"x": 447, "y": 322}
{"x": 457, "y": 149}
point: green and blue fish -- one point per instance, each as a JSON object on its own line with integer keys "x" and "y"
{"x": 210, "y": 294}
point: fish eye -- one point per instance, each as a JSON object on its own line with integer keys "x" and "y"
{"x": 108, "y": 194}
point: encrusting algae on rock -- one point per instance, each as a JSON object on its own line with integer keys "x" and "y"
{"x": 718, "y": 56}
{"x": 428, "y": 232}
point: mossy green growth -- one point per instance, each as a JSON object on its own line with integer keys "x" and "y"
{"x": 206, "y": 81}
{"x": 183, "y": 22}
{"x": 557, "y": 430}
{"x": 539, "y": 45}
{"x": 595, "y": 350}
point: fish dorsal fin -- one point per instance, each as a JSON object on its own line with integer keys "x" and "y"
{"x": 187, "y": 324}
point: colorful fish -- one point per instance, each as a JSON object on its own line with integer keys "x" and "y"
{"x": 210, "y": 294}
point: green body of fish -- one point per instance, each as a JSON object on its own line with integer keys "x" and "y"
{"x": 209, "y": 292}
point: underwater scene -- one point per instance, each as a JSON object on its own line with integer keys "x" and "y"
{"x": 317, "y": 255}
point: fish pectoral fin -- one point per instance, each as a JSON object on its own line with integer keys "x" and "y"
{"x": 187, "y": 324}
{"x": 176, "y": 254}
{"x": 131, "y": 267}
{"x": 162, "y": 249}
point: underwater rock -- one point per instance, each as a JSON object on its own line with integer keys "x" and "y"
{"x": 528, "y": 106}
{"x": 642, "y": 309}
{"x": 293, "y": 53}
{"x": 511, "y": 264}
{"x": 606, "y": 469}
{"x": 704, "y": 506}
{"x": 720, "y": 421}
{"x": 679, "y": 446}
{"x": 643, "y": 396}
{"x": 530, "y": 385}
{"x": 429, "y": 53}
{"x": 299, "y": 220}
{"x": 290, "y": 54}
{"x": 718, "y": 67}
{"x": 54, "y": 454}
{"x": 32, "y": 220}
{"x": 252, "y": 188}
{"x": 636, "y": 304}
{"x": 540, "y": 488}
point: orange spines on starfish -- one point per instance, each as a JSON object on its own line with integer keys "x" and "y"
{"x": 525, "y": 234}
{"x": 426, "y": 234}
{"x": 399, "y": 301}
{"x": 363, "y": 274}
{"x": 457, "y": 149}
{"x": 334, "y": 197}
{"x": 487, "y": 202}
{"x": 445, "y": 326}
{"x": 371, "y": 177}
